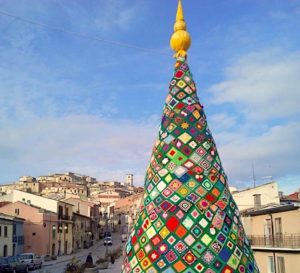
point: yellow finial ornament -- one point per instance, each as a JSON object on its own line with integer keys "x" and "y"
{"x": 180, "y": 41}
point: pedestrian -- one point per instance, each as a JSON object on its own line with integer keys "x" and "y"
{"x": 89, "y": 259}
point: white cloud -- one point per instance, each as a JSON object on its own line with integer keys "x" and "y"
{"x": 262, "y": 85}
{"x": 107, "y": 149}
{"x": 275, "y": 153}
{"x": 260, "y": 123}
{"x": 222, "y": 121}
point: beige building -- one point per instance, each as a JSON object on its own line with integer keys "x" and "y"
{"x": 108, "y": 197}
{"x": 257, "y": 197}
{"x": 274, "y": 233}
{"x": 89, "y": 210}
{"x": 29, "y": 184}
{"x": 82, "y": 233}
{"x": 63, "y": 210}
{"x": 8, "y": 188}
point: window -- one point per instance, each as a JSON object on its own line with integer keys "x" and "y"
{"x": 14, "y": 229}
{"x": 60, "y": 212}
{"x": 257, "y": 200}
{"x": 278, "y": 226}
{"x": 271, "y": 267}
{"x": 0, "y": 231}
{"x": 280, "y": 264}
{"x": 17, "y": 211}
{"x": 5, "y": 231}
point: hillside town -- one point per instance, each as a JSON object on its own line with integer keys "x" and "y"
{"x": 60, "y": 214}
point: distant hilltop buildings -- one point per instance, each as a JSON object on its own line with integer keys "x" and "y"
{"x": 69, "y": 184}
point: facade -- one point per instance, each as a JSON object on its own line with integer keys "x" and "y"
{"x": 274, "y": 233}
{"x": 64, "y": 213}
{"x": 107, "y": 197}
{"x": 11, "y": 235}
{"x": 8, "y": 188}
{"x": 126, "y": 211}
{"x": 29, "y": 184}
{"x": 40, "y": 227}
{"x": 89, "y": 210}
{"x": 257, "y": 197}
{"x": 82, "y": 235}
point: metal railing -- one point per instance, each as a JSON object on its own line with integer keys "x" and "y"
{"x": 284, "y": 241}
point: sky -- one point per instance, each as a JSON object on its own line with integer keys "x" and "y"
{"x": 82, "y": 87}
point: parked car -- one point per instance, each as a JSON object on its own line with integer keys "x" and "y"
{"x": 12, "y": 264}
{"x": 108, "y": 241}
{"x": 32, "y": 260}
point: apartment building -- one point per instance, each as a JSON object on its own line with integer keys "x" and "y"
{"x": 274, "y": 232}
{"x": 11, "y": 235}
{"x": 89, "y": 210}
{"x": 82, "y": 234}
{"x": 40, "y": 227}
{"x": 257, "y": 197}
{"x": 63, "y": 210}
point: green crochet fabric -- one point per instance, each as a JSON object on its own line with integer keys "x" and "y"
{"x": 188, "y": 222}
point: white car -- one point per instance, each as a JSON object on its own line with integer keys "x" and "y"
{"x": 31, "y": 259}
{"x": 108, "y": 241}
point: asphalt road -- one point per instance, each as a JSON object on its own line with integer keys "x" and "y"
{"x": 98, "y": 250}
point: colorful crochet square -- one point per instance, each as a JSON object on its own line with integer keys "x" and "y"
{"x": 188, "y": 222}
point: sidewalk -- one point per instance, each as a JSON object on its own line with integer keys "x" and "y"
{"x": 113, "y": 268}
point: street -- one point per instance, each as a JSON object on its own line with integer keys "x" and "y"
{"x": 97, "y": 250}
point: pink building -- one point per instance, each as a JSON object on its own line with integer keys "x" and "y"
{"x": 40, "y": 227}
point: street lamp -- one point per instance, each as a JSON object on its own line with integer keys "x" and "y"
{"x": 53, "y": 238}
{"x": 60, "y": 228}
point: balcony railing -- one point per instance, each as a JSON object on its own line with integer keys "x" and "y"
{"x": 278, "y": 241}
{"x": 64, "y": 217}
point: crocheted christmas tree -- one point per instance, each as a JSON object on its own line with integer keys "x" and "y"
{"x": 189, "y": 221}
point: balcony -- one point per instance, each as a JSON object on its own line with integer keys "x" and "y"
{"x": 65, "y": 217}
{"x": 277, "y": 241}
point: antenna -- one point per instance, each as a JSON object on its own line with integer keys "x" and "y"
{"x": 253, "y": 175}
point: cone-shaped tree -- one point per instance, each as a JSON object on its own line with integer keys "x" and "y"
{"x": 189, "y": 221}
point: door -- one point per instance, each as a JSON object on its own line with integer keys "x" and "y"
{"x": 278, "y": 232}
{"x": 66, "y": 248}
{"x": 268, "y": 232}
{"x": 53, "y": 250}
